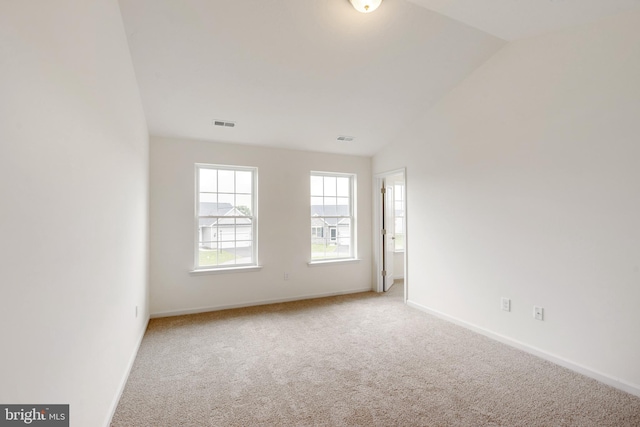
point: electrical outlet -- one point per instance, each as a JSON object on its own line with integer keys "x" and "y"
{"x": 538, "y": 313}
{"x": 286, "y": 276}
{"x": 505, "y": 304}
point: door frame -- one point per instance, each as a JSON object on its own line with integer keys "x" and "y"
{"x": 378, "y": 181}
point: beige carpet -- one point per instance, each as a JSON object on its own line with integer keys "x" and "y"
{"x": 355, "y": 360}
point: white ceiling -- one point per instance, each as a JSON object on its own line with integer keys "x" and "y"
{"x": 298, "y": 73}
{"x": 516, "y": 19}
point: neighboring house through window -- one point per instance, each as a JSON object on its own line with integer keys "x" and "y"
{"x": 317, "y": 231}
{"x": 332, "y": 216}
{"x": 226, "y": 219}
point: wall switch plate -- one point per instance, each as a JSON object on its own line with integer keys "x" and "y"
{"x": 538, "y": 313}
{"x": 505, "y": 304}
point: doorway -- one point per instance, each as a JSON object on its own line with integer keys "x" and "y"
{"x": 390, "y": 237}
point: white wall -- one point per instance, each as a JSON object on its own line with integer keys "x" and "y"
{"x": 73, "y": 180}
{"x": 524, "y": 183}
{"x": 283, "y": 228}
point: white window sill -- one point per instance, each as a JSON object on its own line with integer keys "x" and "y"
{"x": 224, "y": 270}
{"x": 332, "y": 261}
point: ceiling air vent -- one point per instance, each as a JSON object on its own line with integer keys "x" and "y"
{"x": 344, "y": 138}
{"x": 224, "y": 123}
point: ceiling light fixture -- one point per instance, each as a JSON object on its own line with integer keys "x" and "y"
{"x": 365, "y": 6}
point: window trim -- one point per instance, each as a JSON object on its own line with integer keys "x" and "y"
{"x": 352, "y": 219}
{"x": 242, "y": 269}
{"x": 254, "y": 220}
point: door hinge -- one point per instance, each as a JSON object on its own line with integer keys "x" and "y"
{"x": 384, "y": 273}
{"x": 383, "y": 231}
{"x": 383, "y": 190}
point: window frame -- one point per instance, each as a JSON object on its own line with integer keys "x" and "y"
{"x": 253, "y": 218}
{"x": 352, "y": 217}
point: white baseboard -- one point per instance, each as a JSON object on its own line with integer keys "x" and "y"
{"x": 599, "y": 376}
{"x": 254, "y": 303}
{"x": 125, "y": 377}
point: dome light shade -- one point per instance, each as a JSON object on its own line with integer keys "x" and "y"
{"x": 365, "y": 6}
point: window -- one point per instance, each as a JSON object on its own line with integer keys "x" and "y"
{"x": 317, "y": 231}
{"x": 332, "y": 216}
{"x": 399, "y": 225}
{"x": 225, "y": 216}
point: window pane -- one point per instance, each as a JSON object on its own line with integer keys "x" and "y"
{"x": 225, "y": 203}
{"x": 317, "y": 233}
{"x": 343, "y": 186}
{"x": 231, "y": 253}
{"x": 208, "y": 232}
{"x": 343, "y": 251}
{"x": 243, "y": 182}
{"x": 227, "y": 233}
{"x": 208, "y": 180}
{"x": 228, "y": 255}
{"x": 317, "y": 206}
{"x": 208, "y": 245}
{"x": 322, "y": 249}
{"x": 244, "y": 234}
{"x": 208, "y": 255}
{"x": 243, "y": 204}
{"x": 399, "y": 226}
{"x": 316, "y": 185}
{"x": 226, "y": 181}
{"x": 343, "y": 241}
{"x": 244, "y": 253}
{"x": 343, "y": 209}
{"x": 330, "y": 186}
{"x": 330, "y": 204}
{"x": 344, "y": 231}
{"x": 208, "y": 204}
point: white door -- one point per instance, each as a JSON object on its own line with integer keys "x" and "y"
{"x": 388, "y": 237}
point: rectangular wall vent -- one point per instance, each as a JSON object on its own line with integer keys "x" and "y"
{"x": 224, "y": 123}
{"x": 344, "y": 138}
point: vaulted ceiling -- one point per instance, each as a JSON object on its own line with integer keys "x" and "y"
{"x": 300, "y": 73}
